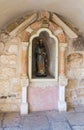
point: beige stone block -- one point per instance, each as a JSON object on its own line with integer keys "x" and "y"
{"x": 4, "y": 87}
{"x": 9, "y": 60}
{"x": 72, "y": 84}
{"x": 81, "y": 84}
{"x": 7, "y": 72}
{"x": 4, "y": 37}
{"x": 13, "y": 49}
{"x": 17, "y": 88}
{"x": 9, "y": 107}
{"x": 74, "y": 60}
{"x": 1, "y": 47}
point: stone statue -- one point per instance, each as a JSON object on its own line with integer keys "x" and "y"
{"x": 41, "y": 59}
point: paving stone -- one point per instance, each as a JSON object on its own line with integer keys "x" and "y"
{"x": 54, "y": 116}
{"x": 78, "y": 127}
{"x": 75, "y": 118}
{"x": 1, "y": 118}
{"x": 11, "y": 120}
{"x": 1, "y": 128}
{"x": 79, "y": 109}
{"x": 39, "y": 123}
{"x": 60, "y": 126}
{"x": 13, "y": 128}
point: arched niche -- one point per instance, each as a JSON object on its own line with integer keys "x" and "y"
{"x": 51, "y": 44}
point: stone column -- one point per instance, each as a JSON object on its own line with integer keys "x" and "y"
{"x": 24, "y": 103}
{"x": 62, "y": 106}
{"x": 24, "y": 79}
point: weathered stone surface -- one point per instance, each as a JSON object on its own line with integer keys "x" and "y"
{"x": 7, "y": 72}
{"x": 54, "y": 116}
{"x": 81, "y": 84}
{"x": 78, "y": 127}
{"x": 75, "y": 118}
{"x": 13, "y": 49}
{"x": 4, "y": 87}
{"x": 1, "y": 47}
{"x": 72, "y": 84}
{"x": 12, "y": 120}
{"x": 4, "y": 36}
{"x": 11, "y": 26}
{"x": 10, "y": 107}
{"x": 74, "y": 60}
{"x": 78, "y": 43}
{"x": 60, "y": 126}
{"x": 13, "y": 128}
{"x": 36, "y": 25}
{"x": 9, "y": 60}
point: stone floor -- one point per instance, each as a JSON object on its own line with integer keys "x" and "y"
{"x": 46, "y": 120}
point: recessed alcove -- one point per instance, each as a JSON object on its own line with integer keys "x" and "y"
{"x": 50, "y": 43}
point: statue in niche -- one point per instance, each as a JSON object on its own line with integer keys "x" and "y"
{"x": 41, "y": 59}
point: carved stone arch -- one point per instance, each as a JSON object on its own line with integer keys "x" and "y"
{"x": 53, "y": 53}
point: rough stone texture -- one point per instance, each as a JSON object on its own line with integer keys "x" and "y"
{"x": 10, "y": 89}
{"x": 1, "y": 47}
{"x": 78, "y": 43}
{"x": 75, "y": 73}
{"x": 45, "y": 120}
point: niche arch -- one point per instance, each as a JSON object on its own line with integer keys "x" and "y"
{"x": 52, "y": 43}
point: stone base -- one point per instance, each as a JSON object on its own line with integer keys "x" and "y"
{"x": 24, "y": 109}
{"x": 62, "y": 106}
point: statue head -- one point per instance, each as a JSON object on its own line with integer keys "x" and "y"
{"x": 41, "y": 42}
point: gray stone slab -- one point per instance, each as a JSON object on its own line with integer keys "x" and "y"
{"x": 12, "y": 120}
{"x": 1, "y": 128}
{"x": 79, "y": 109}
{"x": 78, "y": 127}
{"x": 39, "y": 123}
{"x": 12, "y": 128}
{"x": 60, "y": 126}
{"x": 75, "y": 118}
{"x": 1, "y": 119}
{"x": 54, "y": 116}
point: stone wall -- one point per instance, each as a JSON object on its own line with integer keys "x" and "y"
{"x": 10, "y": 88}
{"x": 75, "y": 72}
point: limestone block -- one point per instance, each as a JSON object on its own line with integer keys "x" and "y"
{"x": 75, "y": 73}
{"x": 74, "y": 60}
{"x": 7, "y": 72}
{"x": 4, "y": 87}
{"x": 72, "y": 84}
{"x": 81, "y": 84}
{"x": 15, "y": 87}
{"x": 4, "y": 36}
{"x": 1, "y": 47}
{"x": 9, "y": 107}
{"x": 9, "y": 60}
{"x": 13, "y": 49}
